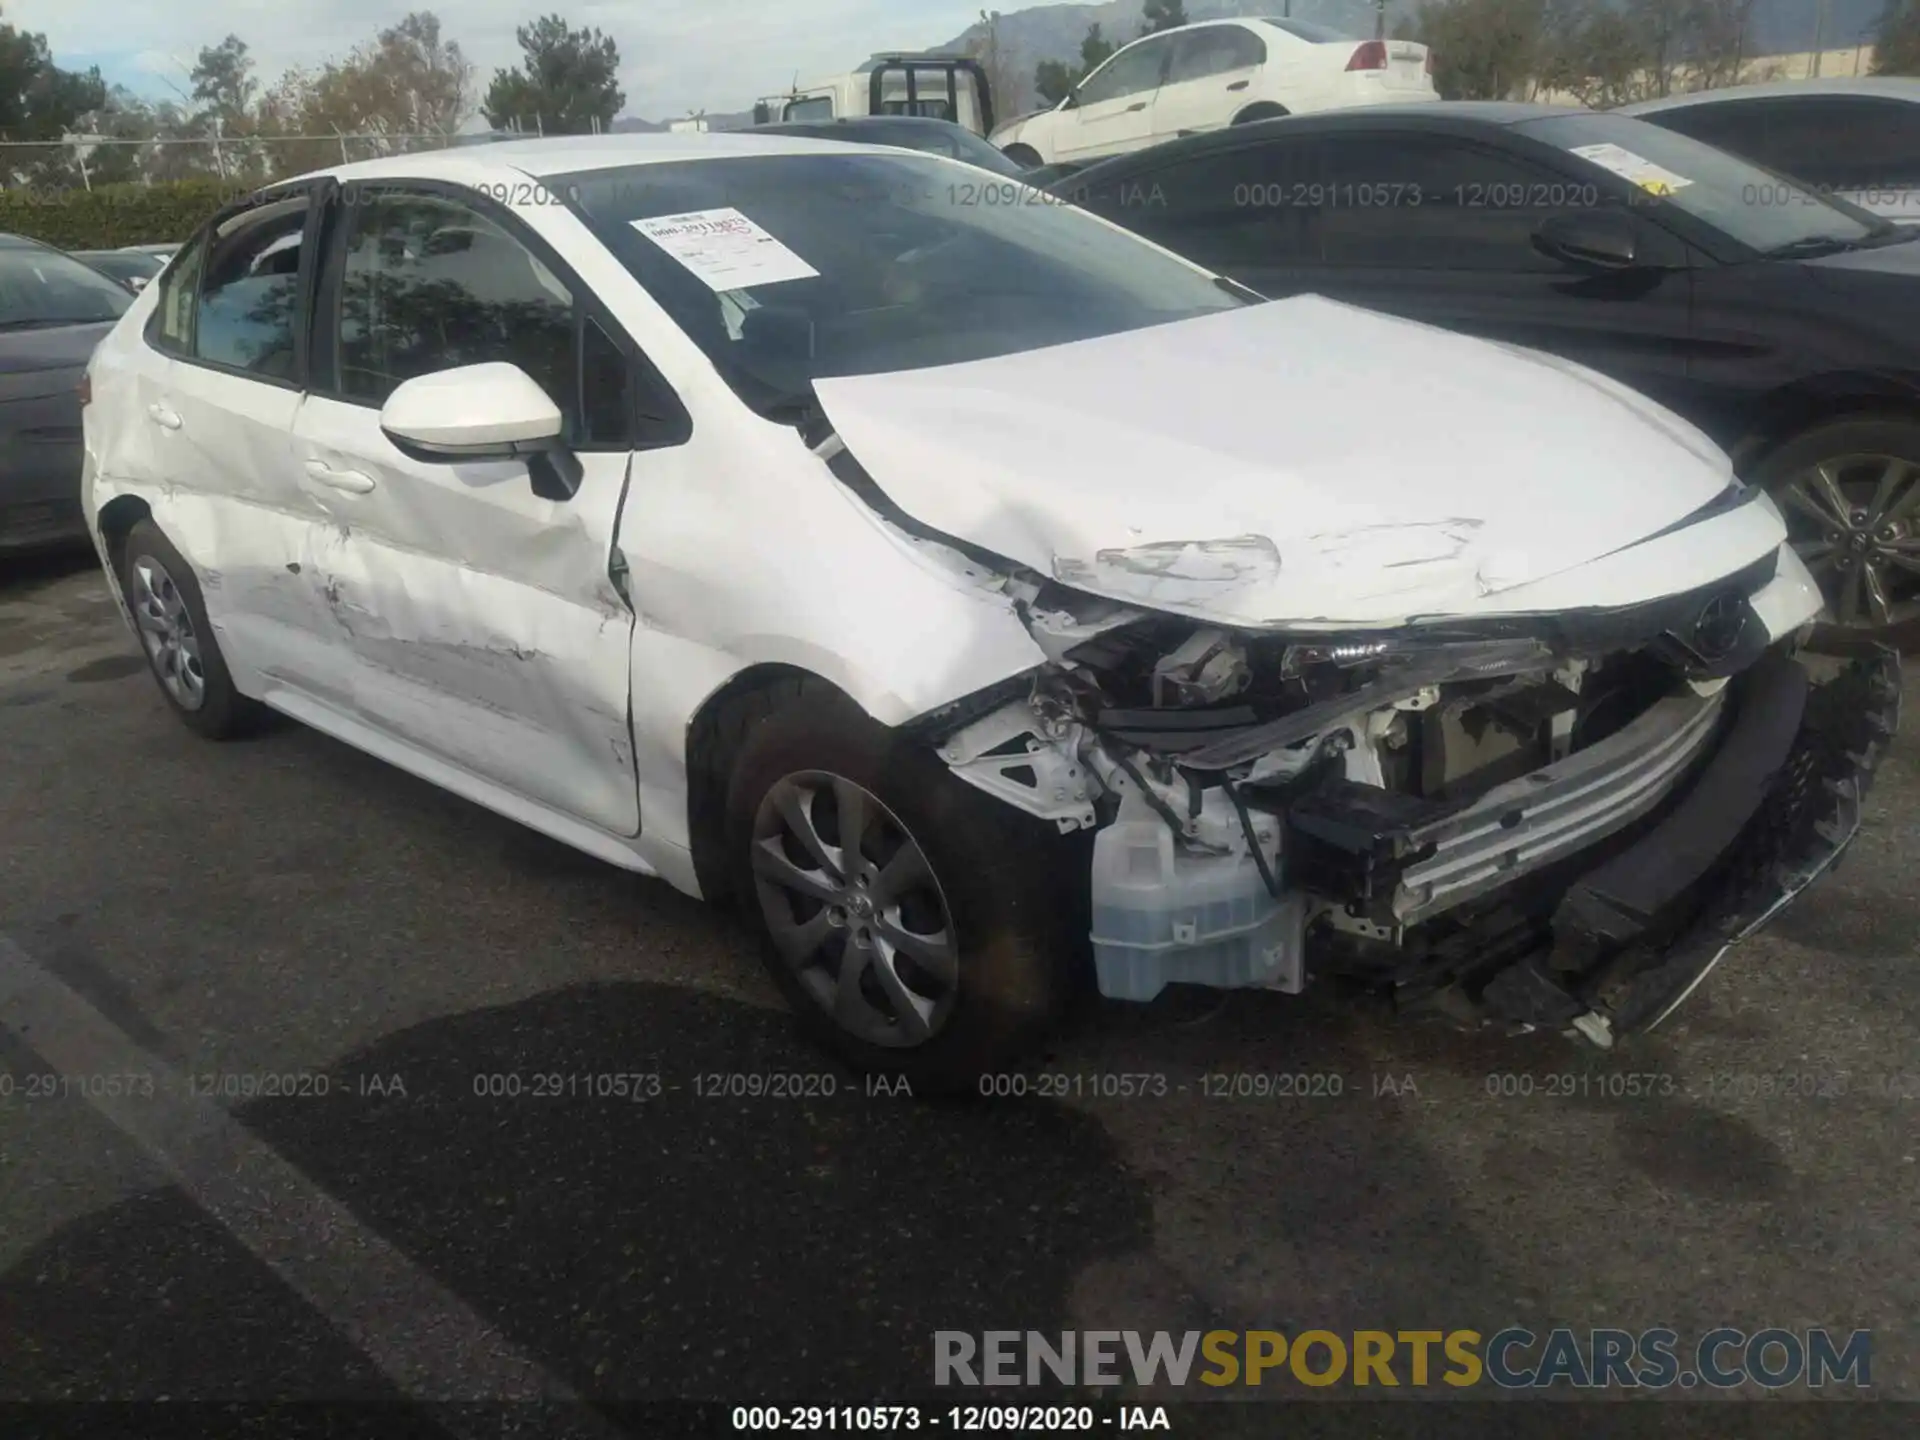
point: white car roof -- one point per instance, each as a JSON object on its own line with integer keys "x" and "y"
{"x": 506, "y": 160}
{"x": 1243, "y": 22}
{"x": 1885, "y": 87}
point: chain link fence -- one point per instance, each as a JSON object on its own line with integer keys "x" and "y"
{"x": 79, "y": 162}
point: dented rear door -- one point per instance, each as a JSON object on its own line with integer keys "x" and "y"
{"x": 483, "y": 622}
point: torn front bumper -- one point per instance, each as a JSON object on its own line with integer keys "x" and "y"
{"x": 1771, "y": 810}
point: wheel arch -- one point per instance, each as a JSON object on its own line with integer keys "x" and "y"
{"x": 715, "y": 733}
{"x": 1260, "y": 110}
{"x": 1794, "y": 409}
{"x": 116, "y": 521}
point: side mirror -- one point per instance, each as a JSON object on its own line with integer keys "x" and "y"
{"x": 494, "y": 411}
{"x": 1600, "y": 239}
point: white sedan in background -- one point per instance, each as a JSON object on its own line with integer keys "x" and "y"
{"x": 964, "y": 588}
{"x": 1857, "y": 139}
{"x": 1211, "y": 75}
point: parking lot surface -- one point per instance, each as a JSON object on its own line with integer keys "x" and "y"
{"x": 452, "y": 1113}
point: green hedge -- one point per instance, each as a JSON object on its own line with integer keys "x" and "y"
{"x": 113, "y": 215}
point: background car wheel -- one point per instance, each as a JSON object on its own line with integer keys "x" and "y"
{"x": 1265, "y": 110}
{"x": 1850, "y": 492}
{"x": 171, "y": 619}
{"x": 1023, "y": 155}
{"x": 917, "y": 927}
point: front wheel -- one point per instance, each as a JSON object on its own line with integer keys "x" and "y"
{"x": 1850, "y": 492}
{"x": 1024, "y": 156}
{"x": 918, "y": 928}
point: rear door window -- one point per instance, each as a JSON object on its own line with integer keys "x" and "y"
{"x": 1214, "y": 50}
{"x": 246, "y": 316}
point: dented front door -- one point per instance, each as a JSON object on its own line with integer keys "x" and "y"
{"x": 482, "y": 622}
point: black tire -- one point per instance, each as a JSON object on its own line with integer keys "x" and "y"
{"x": 223, "y": 712}
{"x": 1008, "y": 883}
{"x": 1265, "y": 110}
{"x": 1892, "y": 437}
{"x": 1023, "y": 155}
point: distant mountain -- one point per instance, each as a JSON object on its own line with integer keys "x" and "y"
{"x": 1054, "y": 32}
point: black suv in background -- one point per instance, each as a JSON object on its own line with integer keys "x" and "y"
{"x": 1858, "y": 139}
{"x": 1785, "y": 325}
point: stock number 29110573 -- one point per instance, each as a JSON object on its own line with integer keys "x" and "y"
{"x": 1006, "y": 1419}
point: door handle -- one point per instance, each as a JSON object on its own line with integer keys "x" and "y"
{"x": 352, "y": 481}
{"x": 163, "y": 417}
{"x": 1238, "y": 85}
{"x": 1137, "y": 105}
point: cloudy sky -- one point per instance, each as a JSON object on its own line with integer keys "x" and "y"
{"x": 677, "y": 55}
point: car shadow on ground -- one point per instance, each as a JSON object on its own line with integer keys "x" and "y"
{"x": 686, "y": 1244}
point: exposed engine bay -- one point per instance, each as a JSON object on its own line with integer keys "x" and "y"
{"x": 1535, "y": 822}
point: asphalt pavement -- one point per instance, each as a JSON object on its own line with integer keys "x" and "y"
{"x": 434, "y": 1108}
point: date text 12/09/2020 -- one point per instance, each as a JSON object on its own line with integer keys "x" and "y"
{"x": 960, "y": 1419}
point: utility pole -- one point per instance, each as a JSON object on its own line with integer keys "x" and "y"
{"x": 1379, "y": 19}
{"x": 1819, "y": 36}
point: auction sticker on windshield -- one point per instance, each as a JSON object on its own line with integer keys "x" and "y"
{"x": 1654, "y": 179}
{"x": 724, "y": 249}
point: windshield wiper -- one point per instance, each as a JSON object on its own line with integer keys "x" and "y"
{"x": 1238, "y": 291}
{"x": 1809, "y": 247}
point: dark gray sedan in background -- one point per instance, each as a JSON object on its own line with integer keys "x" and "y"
{"x": 907, "y": 132}
{"x": 53, "y": 311}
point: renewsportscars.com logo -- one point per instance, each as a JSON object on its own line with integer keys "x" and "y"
{"x": 1510, "y": 1359}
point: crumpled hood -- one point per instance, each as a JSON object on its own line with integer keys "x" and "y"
{"x": 1291, "y": 462}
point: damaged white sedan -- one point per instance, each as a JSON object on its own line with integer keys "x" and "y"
{"x": 953, "y": 580}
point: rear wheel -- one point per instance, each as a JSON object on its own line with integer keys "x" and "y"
{"x": 917, "y": 927}
{"x": 1023, "y": 155}
{"x": 1850, "y": 492}
{"x": 171, "y": 619}
{"x": 1265, "y": 110}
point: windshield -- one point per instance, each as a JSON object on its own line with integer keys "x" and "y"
{"x": 1757, "y": 208}
{"x": 43, "y": 287}
{"x": 789, "y": 268}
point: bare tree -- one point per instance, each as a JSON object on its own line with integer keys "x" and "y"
{"x": 1713, "y": 41}
{"x": 1005, "y": 80}
{"x": 1896, "y": 48}
{"x": 1483, "y": 49}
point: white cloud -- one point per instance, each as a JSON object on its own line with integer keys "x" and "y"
{"x": 676, "y": 55}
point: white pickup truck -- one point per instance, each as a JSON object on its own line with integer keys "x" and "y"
{"x": 939, "y": 87}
